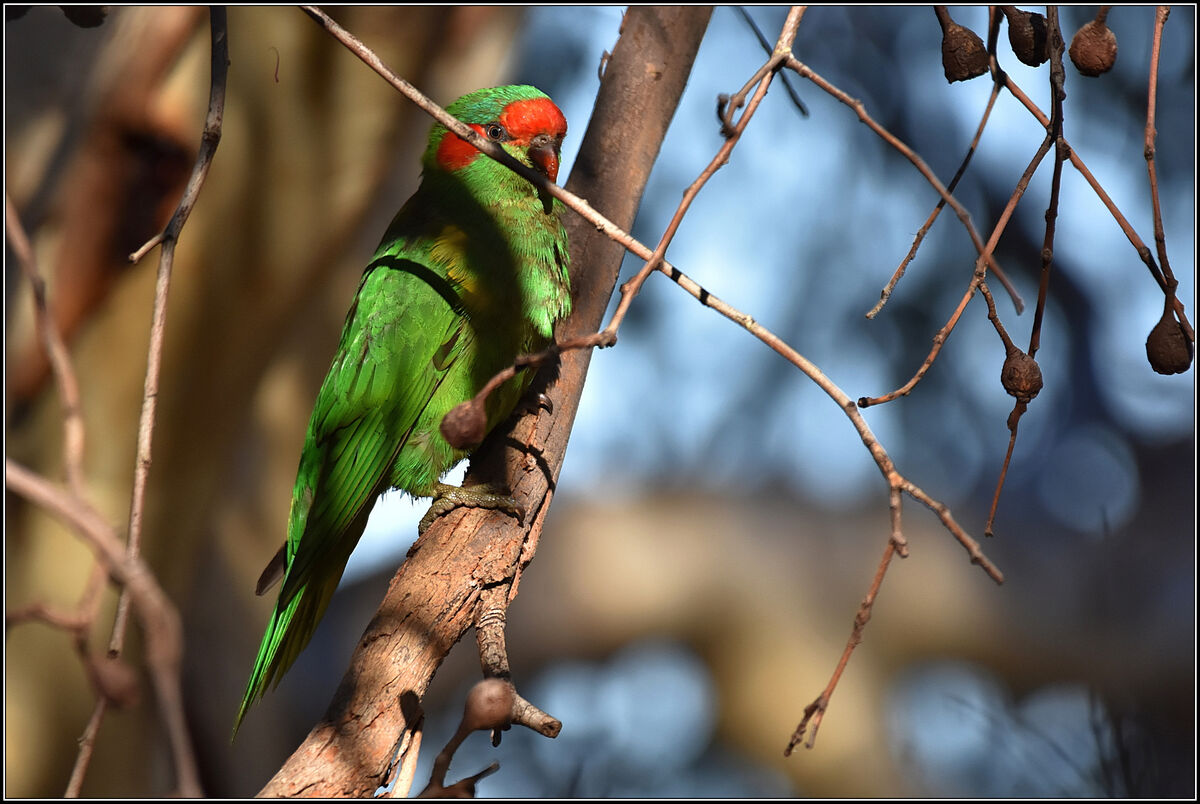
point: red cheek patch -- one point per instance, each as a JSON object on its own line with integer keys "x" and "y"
{"x": 455, "y": 153}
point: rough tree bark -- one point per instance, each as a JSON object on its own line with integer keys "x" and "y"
{"x": 433, "y": 598}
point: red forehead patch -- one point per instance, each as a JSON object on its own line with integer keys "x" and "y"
{"x": 523, "y": 120}
{"x": 527, "y": 118}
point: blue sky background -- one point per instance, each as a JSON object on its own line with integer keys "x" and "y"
{"x": 801, "y": 230}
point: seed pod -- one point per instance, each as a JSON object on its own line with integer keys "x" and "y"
{"x": 465, "y": 425}
{"x": 117, "y": 681}
{"x": 1094, "y": 48}
{"x": 1168, "y": 348}
{"x": 1021, "y": 376}
{"x": 489, "y": 705}
{"x": 86, "y": 16}
{"x": 1027, "y": 35}
{"x": 963, "y": 54}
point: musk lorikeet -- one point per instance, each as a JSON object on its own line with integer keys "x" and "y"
{"x": 471, "y": 273}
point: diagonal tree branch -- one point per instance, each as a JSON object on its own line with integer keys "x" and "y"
{"x": 433, "y": 598}
{"x": 156, "y": 614}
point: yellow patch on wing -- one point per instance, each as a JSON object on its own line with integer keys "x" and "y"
{"x": 450, "y": 249}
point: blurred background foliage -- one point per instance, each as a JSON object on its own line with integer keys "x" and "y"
{"x": 717, "y": 520}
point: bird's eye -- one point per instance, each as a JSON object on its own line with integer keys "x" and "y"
{"x": 496, "y": 132}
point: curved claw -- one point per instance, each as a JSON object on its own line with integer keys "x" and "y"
{"x": 535, "y": 403}
{"x": 446, "y": 498}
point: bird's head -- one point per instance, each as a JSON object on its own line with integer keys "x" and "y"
{"x": 522, "y": 119}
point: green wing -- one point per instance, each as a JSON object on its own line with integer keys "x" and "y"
{"x": 399, "y": 341}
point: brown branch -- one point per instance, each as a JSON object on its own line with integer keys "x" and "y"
{"x": 783, "y": 49}
{"x": 1160, "y": 238}
{"x": 433, "y": 598}
{"x": 493, "y": 703}
{"x": 894, "y": 479}
{"x": 1171, "y": 343}
{"x": 40, "y": 612}
{"x": 489, "y": 706}
{"x": 1139, "y": 246}
{"x": 210, "y": 138}
{"x": 157, "y": 615}
{"x": 886, "y": 293}
{"x": 56, "y": 350}
{"x": 793, "y": 95}
{"x": 164, "y": 654}
{"x": 939, "y": 339}
{"x": 79, "y": 622}
{"x": 164, "y": 660}
{"x": 469, "y": 416}
{"x": 814, "y": 713}
{"x": 493, "y": 659}
{"x": 985, "y": 259}
{"x": 1012, "y": 355}
{"x": 1054, "y": 133}
{"x": 860, "y": 110}
{"x": 73, "y": 444}
{"x": 87, "y": 744}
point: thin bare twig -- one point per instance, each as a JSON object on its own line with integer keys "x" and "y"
{"x": 814, "y": 713}
{"x": 1143, "y": 252}
{"x": 168, "y": 239}
{"x": 848, "y": 407}
{"x": 56, "y": 351}
{"x": 1160, "y": 238}
{"x": 1014, "y": 418}
{"x": 940, "y": 338}
{"x": 166, "y": 661}
{"x": 74, "y": 437}
{"x": 733, "y": 132}
{"x": 1054, "y": 132}
{"x": 493, "y": 660}
{"x": 783, "y": 49}
{"x": 79, "y": 622}
{"x": 766, "y": 46}
{"x": 886, "y": 293}
{"x": 157, "y": 615}
{"x": 860, "y": 110}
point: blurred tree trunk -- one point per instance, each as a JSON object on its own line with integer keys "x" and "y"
{"x": 316, "y": 154}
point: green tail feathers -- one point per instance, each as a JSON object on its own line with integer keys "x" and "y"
{"x": 288, "y": 633}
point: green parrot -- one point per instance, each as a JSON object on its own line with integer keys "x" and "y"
{"x": 471, "y": 273}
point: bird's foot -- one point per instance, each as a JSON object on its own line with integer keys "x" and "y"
{"x": 534, "y": 403}
{"x": 446, "y": 498}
